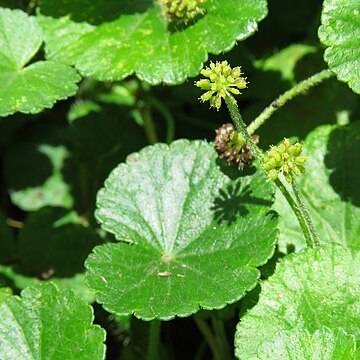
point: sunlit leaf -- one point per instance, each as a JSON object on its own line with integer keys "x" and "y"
{"x": 194, "y": 234}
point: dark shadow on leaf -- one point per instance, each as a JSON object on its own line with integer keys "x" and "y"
{"x": 25, "y": 164}
{"x": 92, "y": 11}
{"x": 232, "y": 202}
{"x": 52, "y": 244}
{"x": 234, "y": 172}
{"x": 178, "y": 26}
{"x": 343, "y": 159}
{"x": 98, "y": 142}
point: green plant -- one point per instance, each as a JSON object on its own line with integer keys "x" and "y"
{"x": 116, "y": 221}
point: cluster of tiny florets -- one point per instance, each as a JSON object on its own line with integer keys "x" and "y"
{"x": 232, "y": 147}
{"x": 223, "y": 82}
{"x": 183, "y": 10}
{"x": 284, "y": 158}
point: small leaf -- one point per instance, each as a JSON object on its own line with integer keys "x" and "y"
{"x": 285, "y": 60}
{"x": 135, "y": 37}
{"x": 49, "y": 323}
{"x": 7, "y": 244}
{"x": 82, "y": 108}
{"x": 340, "y": 31}
{"x": 329, "y": 187}
{"x": 324, "y": 344}
{"x": 195, "y": 236}
{"x": 34, "y": 169}
{"x": 310, "y": 290}
{"x": 31, "y": 88}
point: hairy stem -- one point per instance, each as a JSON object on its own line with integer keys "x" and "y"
{"x": 223, "y": 343}
{"x": 296, "y": 203}
{"x": 298, "y": 89}
{"x": 241, "y": 128}
{"x": 153, "y": 343}
{"x": 312, "y": 240}
{"x": 208, "y": 336}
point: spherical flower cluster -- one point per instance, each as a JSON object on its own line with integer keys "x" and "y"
{"x": 285, "y": 158}
{"x": 183, "y": 10}
{"x": 232, "y": 146}
{"x": 223, "y": 82}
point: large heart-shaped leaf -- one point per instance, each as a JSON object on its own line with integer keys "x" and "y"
{"x": 340, "y": 31}
{"x": 310, "y": 290}
{"x": 330, "y": 188}
{"x": 48, "y": 323}
{"x": 28, "y": 88}
{"x": 194, "y": 235}
{"x": 131, "y": 36}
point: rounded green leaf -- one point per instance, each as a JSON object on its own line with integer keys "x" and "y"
{"x": 310, "y": 290}
{"x": 324, "y": 344}
{"x": 133, "y": 37}
{"x": 48, "y": 323}
{"x": 330, "y": 188}
{"x": 194, "y": 236}
{"x": 28, "y": 88}
{"x": 340, "y": 31}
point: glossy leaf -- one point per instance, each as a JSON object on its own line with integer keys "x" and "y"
{"x": 329, "y": 187}
{"x": 28, "y": 88}
{"x": 194, "y": 236}
{"x": 49, "y": 323}
{"x": 129, "y": 36}
{"x": 340, "y": 31}
{"x": 324, "y": 344}
{"x": 310, "y": 290}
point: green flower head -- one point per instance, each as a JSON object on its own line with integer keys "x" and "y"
{"x": 284, "y": 158}
{"x": 223, "y": 83}
{"x": 183, "y": 10}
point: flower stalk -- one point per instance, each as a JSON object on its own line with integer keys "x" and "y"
{"x": 298, "y": 89}
{"x": 285, "y": 159}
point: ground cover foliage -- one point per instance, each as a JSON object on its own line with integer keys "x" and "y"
{"x": 128, "y": 230}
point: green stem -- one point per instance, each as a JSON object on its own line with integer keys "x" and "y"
{"x": 153, "y": 343}
{"x": 298, "y": 89}
{"x": 148, "y": 124}
{"x": 296, "y": 209}
{"x": 241, "y": 128}
{"x": 312, "y": 240}
{"x": 170, "y": 133}
{"x": 208, "y": 336}
{"x": 221, "y": 337}
{"x": 296, "y": 204}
